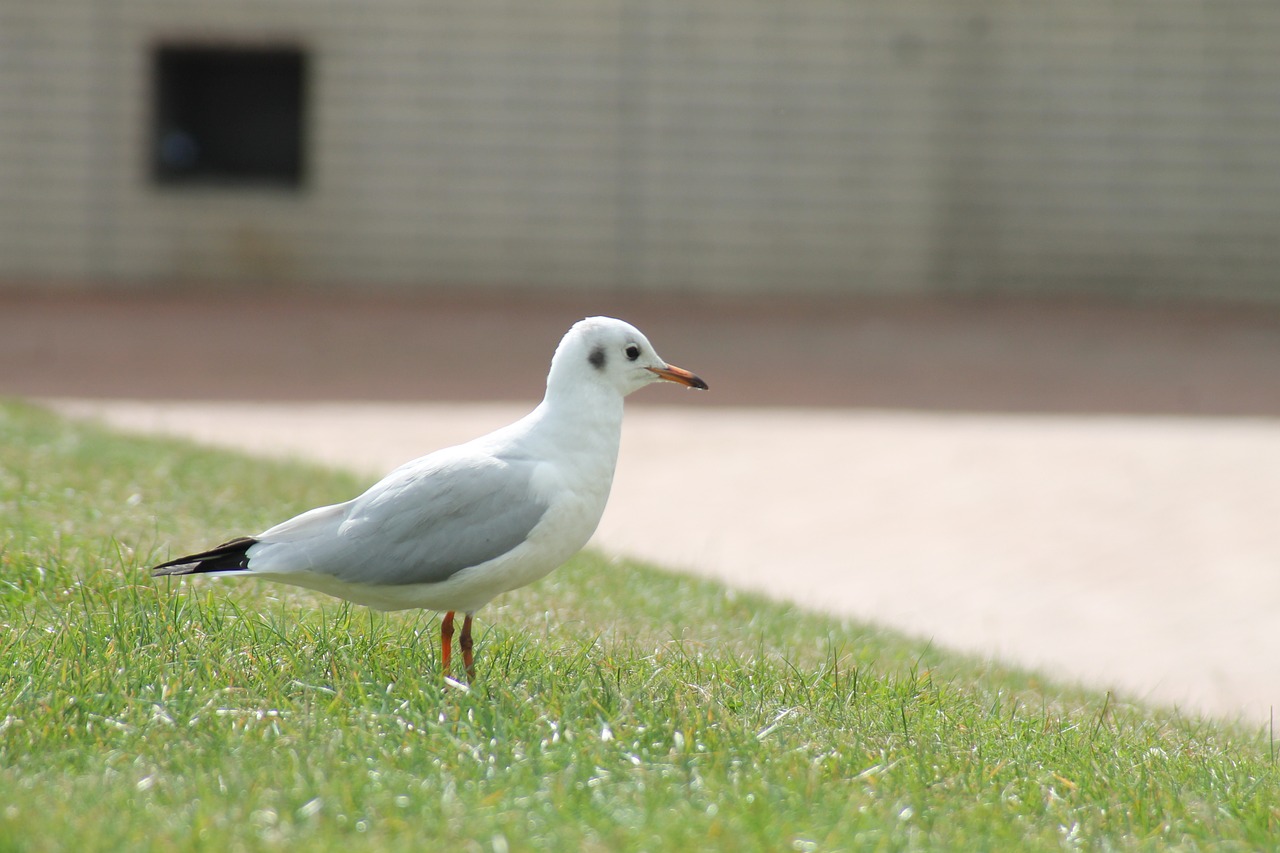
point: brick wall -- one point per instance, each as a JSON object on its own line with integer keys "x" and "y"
{"x": 727, "y": 145}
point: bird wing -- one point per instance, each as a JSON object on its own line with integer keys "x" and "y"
{"x": 422, "y": 523}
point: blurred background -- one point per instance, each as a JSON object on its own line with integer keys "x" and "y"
{"x": 1028, "y": 211}
{"x": 1124, "y": 149}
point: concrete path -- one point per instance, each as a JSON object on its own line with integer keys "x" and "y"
{"x": 1137, "y": 553}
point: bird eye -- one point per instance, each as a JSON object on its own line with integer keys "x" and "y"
{"x": 633, "y": 352}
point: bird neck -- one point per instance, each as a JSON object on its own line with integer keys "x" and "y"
{"x": 583, "y": 417}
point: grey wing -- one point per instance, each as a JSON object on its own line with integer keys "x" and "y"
{"x": 423, "y": 523}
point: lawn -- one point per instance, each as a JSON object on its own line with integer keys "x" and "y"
{"x": 618, "y": 706}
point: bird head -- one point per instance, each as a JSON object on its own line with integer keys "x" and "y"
{"x": 609, "y": 352}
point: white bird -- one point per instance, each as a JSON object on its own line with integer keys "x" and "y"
{"x": 451, "y": 530}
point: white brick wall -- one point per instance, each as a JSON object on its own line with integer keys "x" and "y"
{"x": 833, "y": 145}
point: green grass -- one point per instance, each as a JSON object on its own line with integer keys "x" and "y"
{"x": 618, "y": 707}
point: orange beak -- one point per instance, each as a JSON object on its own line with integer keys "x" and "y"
{"x": 680, "y": 376}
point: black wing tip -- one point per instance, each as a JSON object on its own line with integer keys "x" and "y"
{"x": 227, "y": 557}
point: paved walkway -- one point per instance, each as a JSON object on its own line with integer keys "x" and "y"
{"x": 1111, "y": 516}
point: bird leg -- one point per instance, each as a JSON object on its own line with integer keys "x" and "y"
{"x": 464, "y": 642}
{"x": 446, "y": 641}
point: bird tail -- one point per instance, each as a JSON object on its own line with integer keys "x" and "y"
{"x": 228, "y": 557}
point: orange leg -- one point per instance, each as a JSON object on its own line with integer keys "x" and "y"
{"x": 446, "y": 641}
{"x": 464, "y": 642}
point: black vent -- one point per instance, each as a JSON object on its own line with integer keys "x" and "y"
{"x": 230, "y": 116}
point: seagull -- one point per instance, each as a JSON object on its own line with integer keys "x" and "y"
{"x": 451, "y": 530}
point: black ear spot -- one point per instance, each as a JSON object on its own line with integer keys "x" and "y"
{"x": 597, "y": 358}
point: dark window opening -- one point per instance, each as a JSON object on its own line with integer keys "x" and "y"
{"x": 229, "y": 115}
